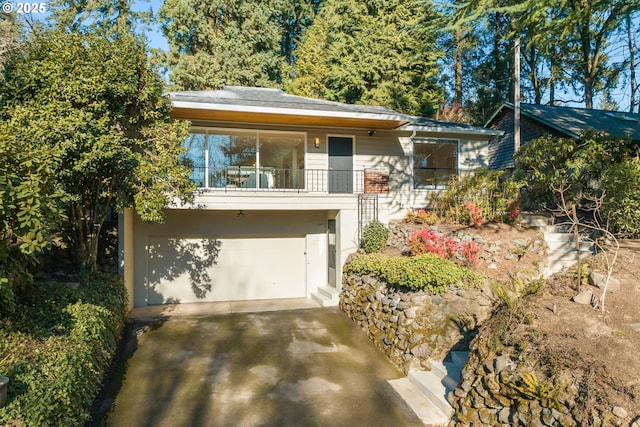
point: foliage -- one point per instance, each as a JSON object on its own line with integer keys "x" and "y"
{"x": 511, "y": 292}
{"x": 56, "y": 348}
{"x": 31, "y": 200}
{"x": 484, "y": 196}
{"x": 231, "y": 42}
{"x": 421, "y": 216}
{"x": 564, "y": 171}
{"x": 621, "y": 208}
{"x": 96, "y": 110}
{"x": 429, "y": 241}
{"x": 374, "y": 237}
{"x": 367, "y": 52}
{"x": 545, "y": 392}
{"x": 427, "y": 272}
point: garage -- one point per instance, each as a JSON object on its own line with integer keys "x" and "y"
{"x": 225, "y": 268}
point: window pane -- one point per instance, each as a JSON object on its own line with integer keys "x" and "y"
{"x": 281, "y": 160}
{"x": 194, "y": 156}
{"x": 434, "y": 163}
{"x": 232, "y": 158}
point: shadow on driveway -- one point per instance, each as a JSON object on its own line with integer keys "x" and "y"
{"x": 310, "y": 367}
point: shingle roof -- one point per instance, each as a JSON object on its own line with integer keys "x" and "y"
{"x": 275, "y": 101}
{"x": 272, "y": 98}
{"x": 573, "y": 121}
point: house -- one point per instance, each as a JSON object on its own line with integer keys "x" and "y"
{"x": 286, "y": 185}
{"x": 564, "y": 122}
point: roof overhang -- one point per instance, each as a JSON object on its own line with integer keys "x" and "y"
{"x": 265, "y": 115}
{"x": 452, "y": 129}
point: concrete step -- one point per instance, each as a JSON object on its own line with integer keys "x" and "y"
{"x": 447, "y": 374}
{"x": 426, "y": 410}
{"x": 433, "y": 388}
{"x": 534, "y": 220}
{"x": 567, "y": 255}
{"x": 558, "y": 237}
{"x": 568, "y": 246}
{"x": 460, "y": 358}
{"x": 326, "y": 296}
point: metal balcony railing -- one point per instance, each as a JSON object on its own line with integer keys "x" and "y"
{"x": 250, "y": 178}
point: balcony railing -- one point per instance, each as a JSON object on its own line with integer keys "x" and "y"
{"x": 250, "y": 178}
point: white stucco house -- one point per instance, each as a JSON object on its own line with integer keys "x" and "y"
{"x": 286, "y": 184}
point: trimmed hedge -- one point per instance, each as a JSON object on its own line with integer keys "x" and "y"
{"x": 56, "y": 349}
{"x": 426, "y": 272}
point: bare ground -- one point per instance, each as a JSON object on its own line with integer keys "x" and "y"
{"x": 599, "y": 349}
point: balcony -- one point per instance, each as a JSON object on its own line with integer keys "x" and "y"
{"x": 268, "y": 179}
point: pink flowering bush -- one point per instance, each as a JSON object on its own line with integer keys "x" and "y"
{"x": 428, "y": 241}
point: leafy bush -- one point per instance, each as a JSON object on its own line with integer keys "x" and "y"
{"x": 421, "y": 216}
{"x": 428, "y": 241}
{"x": 374, "y": 237}
{"x": 622, "y": 199}
{"x": 426, "y": 272}
{"x": 484, "y": 196}
{"x": 56, "y": 348}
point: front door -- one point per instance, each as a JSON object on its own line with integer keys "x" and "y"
{"x": 340, "y": 164}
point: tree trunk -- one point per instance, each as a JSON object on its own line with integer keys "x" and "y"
{"x": 457, "y": 100}
{"x": 632, "y": 65}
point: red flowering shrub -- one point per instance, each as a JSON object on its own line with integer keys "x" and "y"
{"x": 474, "y": 214}
{"x": 469, "y": 251}
{"x": 513, "y": 210}
{"x": 429, "y": 241}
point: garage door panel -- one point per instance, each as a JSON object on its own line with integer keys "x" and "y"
{"x": 225, "y": 269}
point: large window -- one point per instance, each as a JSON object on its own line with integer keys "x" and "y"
{"x": 434, "y": 162}
{"x": 246, "y": 159}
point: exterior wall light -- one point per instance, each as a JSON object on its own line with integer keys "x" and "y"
{"x": 317, "y": 142}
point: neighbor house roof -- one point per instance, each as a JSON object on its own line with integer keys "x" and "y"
{"x": 573, "y": 121}
{"x": 273, "y": 106}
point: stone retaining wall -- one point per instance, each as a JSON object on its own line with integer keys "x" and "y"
{"x": 413, "y": 327}
{"x": 493, "y": 392}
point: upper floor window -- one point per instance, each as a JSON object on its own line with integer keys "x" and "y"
{"x": 223, "y": 158}
{"x": 434, "y": 162}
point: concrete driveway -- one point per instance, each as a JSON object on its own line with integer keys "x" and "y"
{"x": 305, "y": 367}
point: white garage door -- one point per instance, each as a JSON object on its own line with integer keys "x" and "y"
{"x": 225, "y": 269}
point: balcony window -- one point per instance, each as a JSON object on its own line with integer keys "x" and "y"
{"x": 434, "y": 162}
{"x": 223, "y": 158}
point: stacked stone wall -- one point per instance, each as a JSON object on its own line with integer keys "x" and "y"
{"x": 413, "y": 327}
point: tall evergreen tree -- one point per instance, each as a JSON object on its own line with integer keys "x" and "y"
{"x": 368, "y": 52}
{"x": 232, "y": 42}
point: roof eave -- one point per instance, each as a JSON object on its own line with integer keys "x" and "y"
{"x": 454, "y": 130}
{"x": 397, "y": 119}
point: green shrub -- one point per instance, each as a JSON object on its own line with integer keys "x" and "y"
{"x": 484, "y": 196}
{"x": 56, "y": 349}
{"x": 374, "y": 237}
{"x": 621, "y": 208}
{"x": 426, "y": 272}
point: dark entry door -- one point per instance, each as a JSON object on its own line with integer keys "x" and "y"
{"x": 340, "y": 164}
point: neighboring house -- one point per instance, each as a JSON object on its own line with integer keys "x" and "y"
{"x": 285, "y": 186}
{"x": 565, "y": 122}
